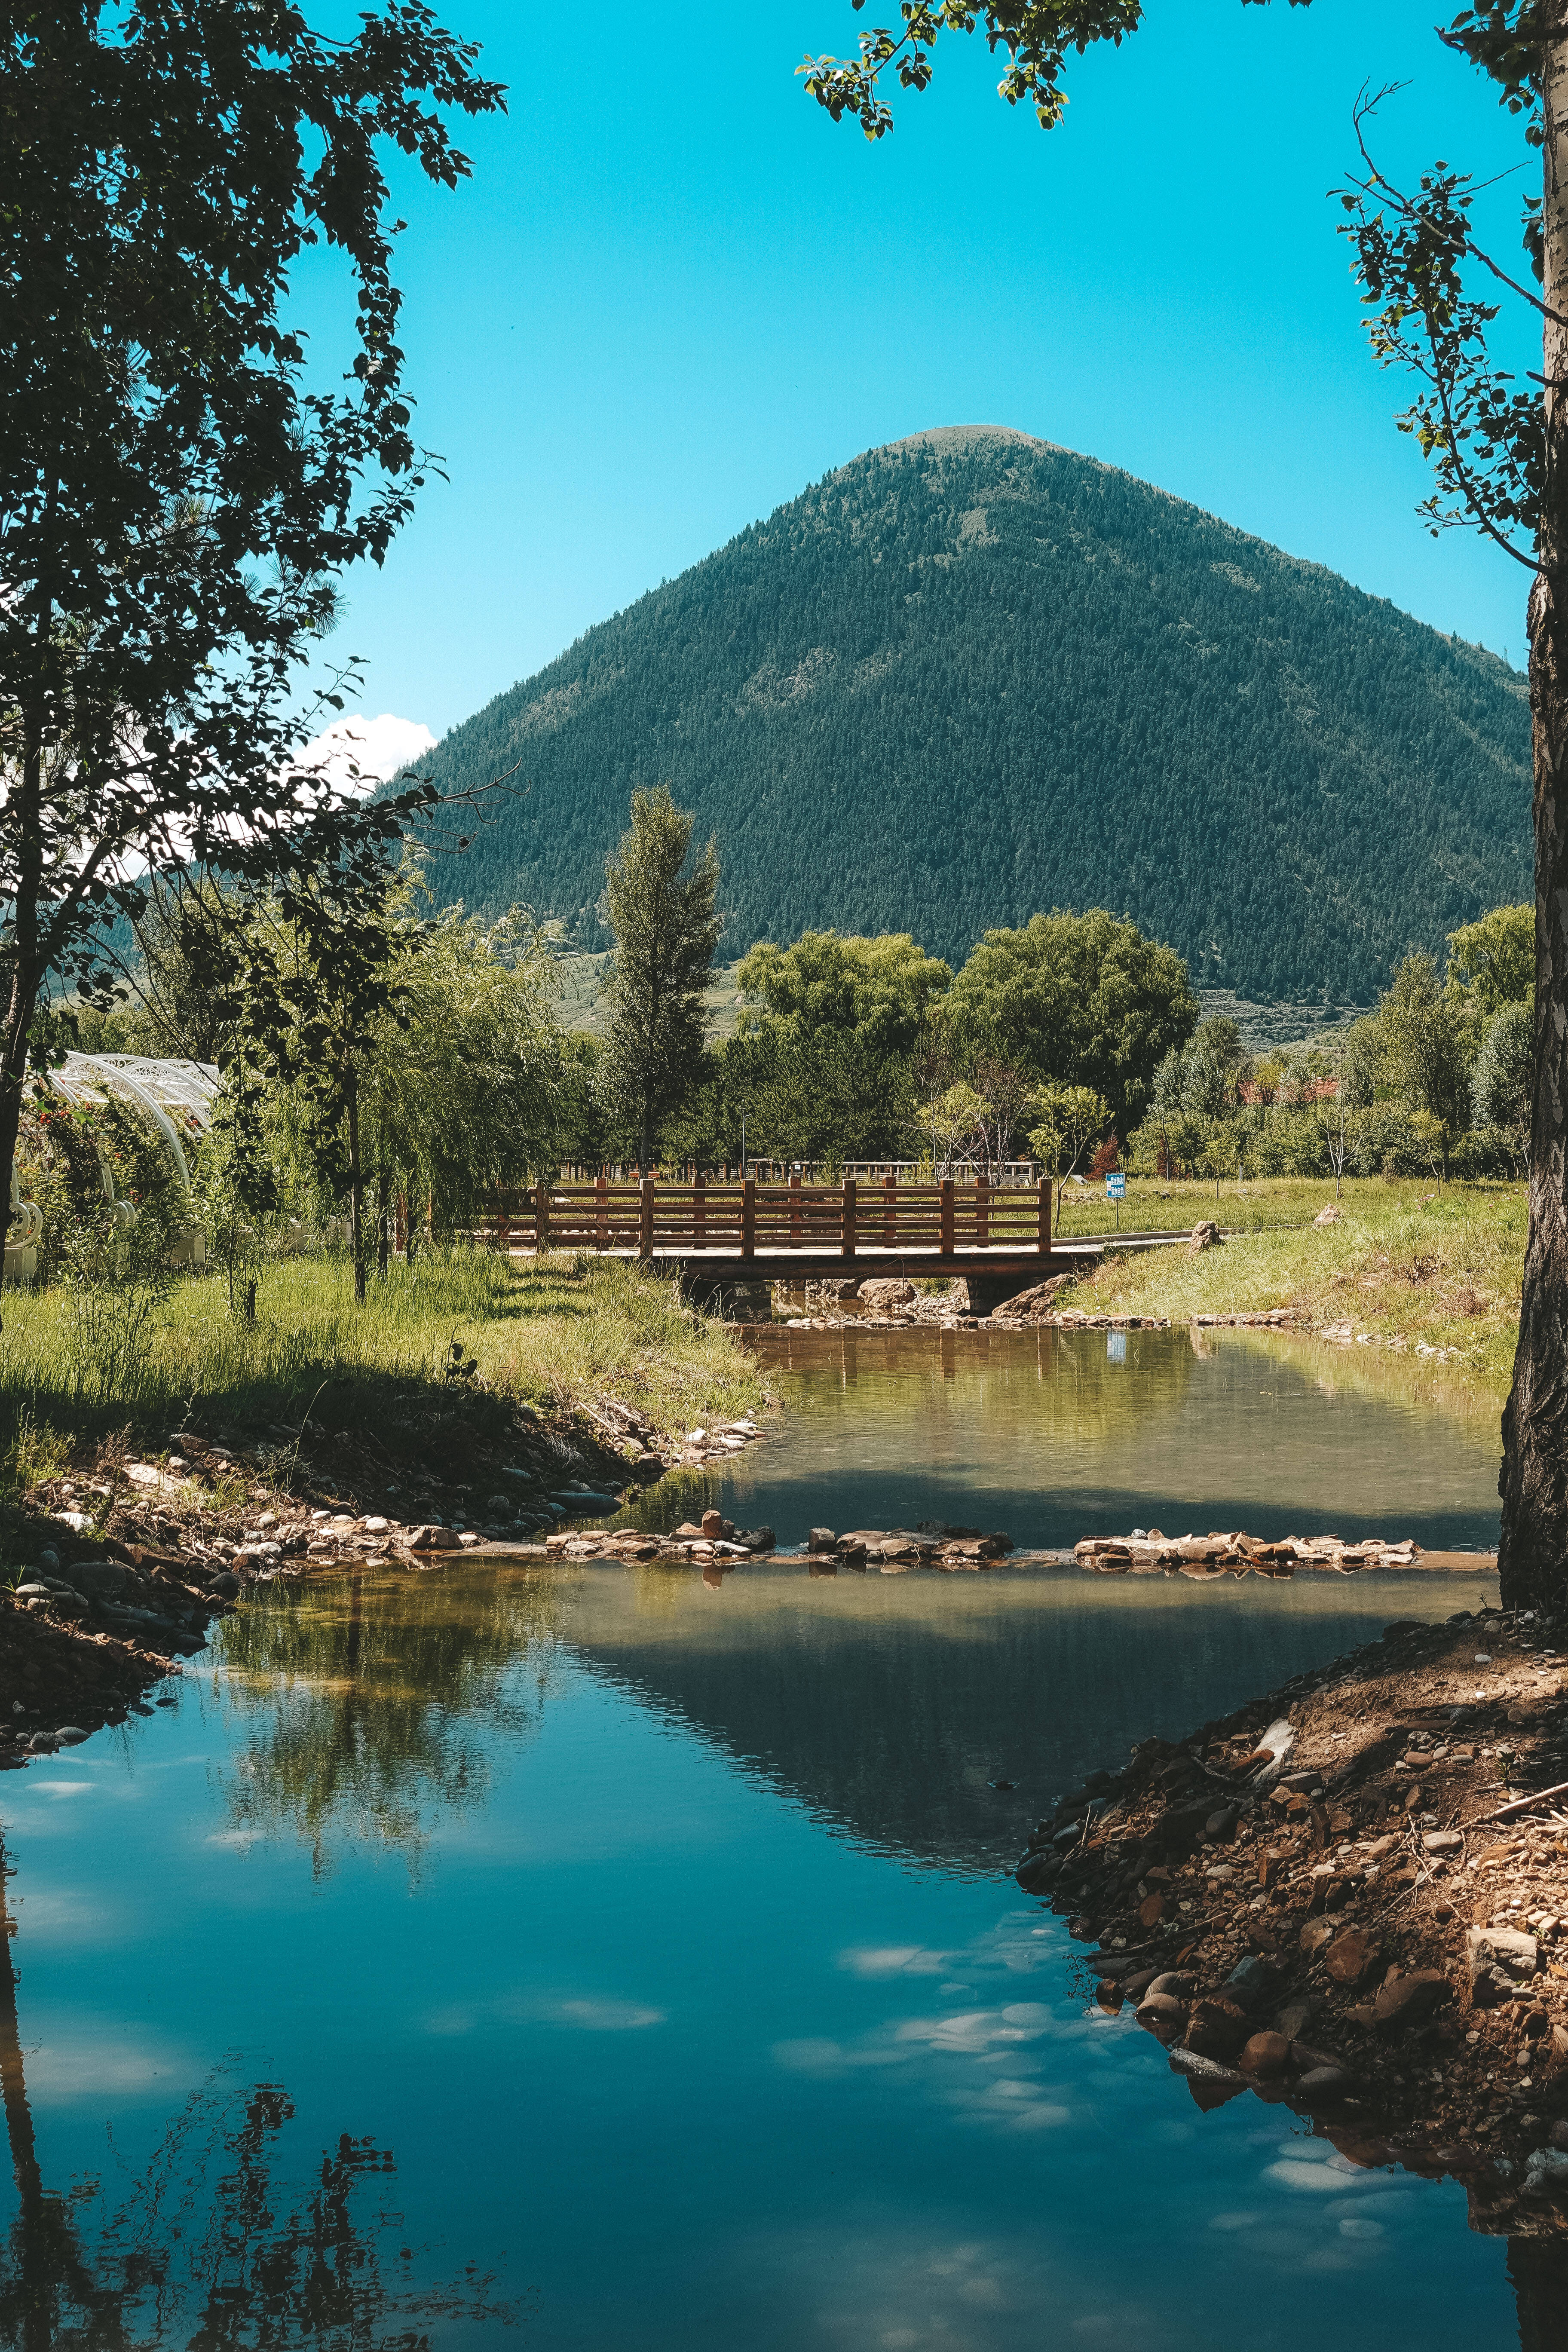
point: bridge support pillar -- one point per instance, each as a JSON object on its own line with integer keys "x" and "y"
{"x": 737, "y": 1302}
{"x": 989, "y": 1293}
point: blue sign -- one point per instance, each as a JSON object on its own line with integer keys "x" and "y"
{"x": 1115, "y": 1188}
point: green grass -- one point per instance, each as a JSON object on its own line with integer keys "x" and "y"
{"x": 555, "y": 1335}
{"x": 1173, "y": 1204}
{"x": 582, "y": 1003}
{"x": 1407, "y": 1264}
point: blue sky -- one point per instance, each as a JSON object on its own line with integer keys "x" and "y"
{"x": 673, "y": 293}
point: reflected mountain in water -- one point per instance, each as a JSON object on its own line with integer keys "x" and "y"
{"x": 373, "y": 1701}
{"x": 886, "y": 1705}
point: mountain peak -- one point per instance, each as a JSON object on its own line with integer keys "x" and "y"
{"x": 957, "y": 440}
{"x": 996, "y": 677}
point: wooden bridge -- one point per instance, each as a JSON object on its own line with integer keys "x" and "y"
{"x": 721, "y": 1235}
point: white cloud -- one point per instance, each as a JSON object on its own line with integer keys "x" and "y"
{"x": 895, "y": 1960}
{"x": 608, "y": 2016}
{"x": 591, "y": 2016}
{"x": 1304, "y": 2168}
{"x": 376, "y": 747}
{"x": 81, "y": 2060}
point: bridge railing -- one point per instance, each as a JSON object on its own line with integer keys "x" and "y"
{"x": 647, "y": 1219}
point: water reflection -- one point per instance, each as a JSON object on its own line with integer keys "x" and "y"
{"x": 1538, "y": 2269}
{"x": 1042, "y": 1433}
{"x": 886, "y": 1706}
{"x": 214, "y": 2244}
{"x": 719, "y": 2020}
{"x": 368, "y": 1704}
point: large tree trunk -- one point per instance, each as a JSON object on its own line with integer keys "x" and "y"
{"x": 1535, "y": 1481}
{"x": 382, "y": 1221}
{"x": 26, "y": 971}
{"x": 356, "y": 1191}
{"x": 18, "y": 1020}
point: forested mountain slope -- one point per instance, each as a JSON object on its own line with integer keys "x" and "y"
{"x": 971, "y": 677}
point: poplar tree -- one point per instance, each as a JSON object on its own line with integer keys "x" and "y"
{"x": 1498, "y": 450}
{"x": 665, "y": 927}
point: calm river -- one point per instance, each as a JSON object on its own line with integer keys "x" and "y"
{"x": 590, "y": 1958}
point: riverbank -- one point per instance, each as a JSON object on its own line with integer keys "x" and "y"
{"x": 1347, "y": 1895}
{"x": 555, "y": 1334}
{"x": 1438, "y": 1275}
{"x": 468, "y": 1402}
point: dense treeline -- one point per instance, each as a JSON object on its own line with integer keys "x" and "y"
{"x": 396, "y": 1068}
{"x": 972, "y": 676}
{"x": 1435, "y": 1081}
{"x": 1072, "y": 1040}
{"x": 853, "y": 1048}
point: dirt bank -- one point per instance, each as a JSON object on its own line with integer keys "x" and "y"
{"x": 1334, "y": 1896}
{"x": 116, "y": 1564}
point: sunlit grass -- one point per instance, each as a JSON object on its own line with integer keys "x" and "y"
{"x": 1175, "y": 1204}
{"x": 1444, "y": 1269}
{"x": 554, "y": 1335}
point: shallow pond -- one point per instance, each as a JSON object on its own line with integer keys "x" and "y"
{"x": 592, "y": 1958}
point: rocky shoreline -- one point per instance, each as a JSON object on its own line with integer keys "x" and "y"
{"x": 120, "y": 1566}
{"x": 1148, "y": 1551}
{"x": 892, "y": 1304}
{"x": 1352, "y": 1895}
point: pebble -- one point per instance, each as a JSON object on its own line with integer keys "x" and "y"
{"x": 1545, "y": 2170}
{"x": 1322, "y": 2084}
{"x": 1251, "y": 1979}
{"x": 1158, "y": 2008}
{"x": 1266, "y": 2055}
{"x": 1350, "y": 1956}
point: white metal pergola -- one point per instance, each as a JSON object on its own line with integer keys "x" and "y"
{"x": 176, "y": 1098}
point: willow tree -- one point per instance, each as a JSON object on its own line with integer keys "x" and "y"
{"x": 464, "y": 1082}
{"x": 398, "y": 1049}
{"x": 1498, "y": 449}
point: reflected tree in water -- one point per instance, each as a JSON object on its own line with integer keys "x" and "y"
{"x": 1538, "y": 2271}
{"x": 214, "y": 2247}
{"x": 370, "y": 1702}
{"x": 1065, "y": 1388}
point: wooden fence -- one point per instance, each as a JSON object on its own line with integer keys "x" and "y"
{"x": 647, "y": 1219}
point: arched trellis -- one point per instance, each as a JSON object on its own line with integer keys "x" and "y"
{"x": 154, "y": 1087}
{"x": 169, "y": 1094}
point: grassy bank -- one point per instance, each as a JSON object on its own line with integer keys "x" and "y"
{"x": 1261, "y": 1204}
{"x": 1440, "y": 1271}
{"x": 555, "y": 1335}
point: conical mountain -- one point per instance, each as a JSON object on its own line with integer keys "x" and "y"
{"x": 971, "y": 677}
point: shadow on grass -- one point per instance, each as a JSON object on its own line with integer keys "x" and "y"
{"x": 460, "y": 1342}
{"x": 43, "y": 1417}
